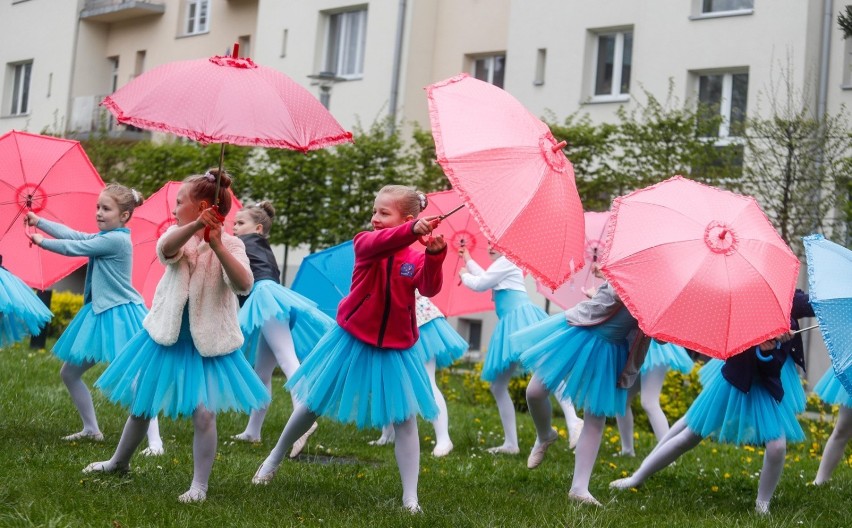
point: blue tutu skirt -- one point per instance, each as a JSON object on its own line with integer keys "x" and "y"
{"x": 584, "y": 357}
{"x": 831, "y": 391}
{"x": 268, "y": 300}
{"x": 710, "y": 371}
{"x": 668, "y": 355}
{"x": 514, "y": 312}
{"x": 440, "y": 341}
{"x": 149, "y": 379}
{"x": 21, "y": 312}
{"x": 98, "y": 338}
{"x": 791, "y": 382}
{"x": 726, "y": 414}
{"x": 352, "y": 382}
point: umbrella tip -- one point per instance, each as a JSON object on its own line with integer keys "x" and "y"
{"x": 236, "y": 52}
{"x": 559, "y": 146}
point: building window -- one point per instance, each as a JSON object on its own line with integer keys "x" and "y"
{"x": 347, "y": 35}
{"x": 540, "y": 63}
{"x": 847, "y": 64}
{"x": 197, "y": 16}
{"x": 20, "y": 100}
{"x": 474, "y": 332}
{"x": 613, "y": 59}
{"x": 491, "y": 69}
{"x": 721, "y": 6}
{"x": 724, "y": 95}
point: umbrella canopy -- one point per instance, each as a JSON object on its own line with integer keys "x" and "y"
{"x": 227, "y": 100}
{"x": 325, "y": 277}
{"x": 511, "y": 173}
{"x": 571, "y": 292}
{"x": 700, "y": 267}
{"x": 54, "y": 178}
{"x": 459, "y": 230}
{"x": 150, "y": 220}
{"x": 829, "y": 272}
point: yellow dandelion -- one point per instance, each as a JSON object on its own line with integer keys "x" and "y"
{"x": 614, "y": 439}
{"x": 613, "y": 466}
{"x": 727, "y": 475}
{"x": 714, "y": 489}
{"x": 634, "y": 490}
{"x": 714, "y": 451}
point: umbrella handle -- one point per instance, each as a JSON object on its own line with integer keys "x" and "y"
{"x": 207, "y": 228}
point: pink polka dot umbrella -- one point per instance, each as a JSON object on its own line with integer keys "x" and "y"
{"x": 511, "y": 173}
{"x": 700, "y": 267}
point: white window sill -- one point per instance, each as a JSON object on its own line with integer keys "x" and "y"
{"x": 14, "y": 116}
{"x": 604, "y": 99}
{"x": 724, "y": 141}
{"x": 722, "y": 14}
{"x": 186, "y": 35}
{"x": 846, "y": 86}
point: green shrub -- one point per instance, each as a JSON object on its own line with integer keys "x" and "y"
{"x": 64, "y": 306}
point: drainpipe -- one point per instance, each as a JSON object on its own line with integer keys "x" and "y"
{"x": 397, "y": 67}
{"x": 825, "y": 49}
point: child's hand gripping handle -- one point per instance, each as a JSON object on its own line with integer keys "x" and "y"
{"x": 219, "y": 217}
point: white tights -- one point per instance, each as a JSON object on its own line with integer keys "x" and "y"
{"x": 586, "y": 454}
{"x": 406, "y": 449}
{"x": 836, "y": 445}
{"x": 274, "y": 349}
{"x": 651, "y": 387}
{"x": 500, "y": 391}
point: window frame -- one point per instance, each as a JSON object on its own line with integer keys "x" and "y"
{"x": 618, "y": 66}
{"x": 724, "y": 136}
{"x": 491, "y": 58}
{"x": 20, "y": 85}
{"x": 700, "y": 14}
{"x": 340, "y": 41}
{"x": 195, "y": 20}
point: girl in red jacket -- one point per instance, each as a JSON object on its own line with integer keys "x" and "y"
{"x": 363, "y": 371}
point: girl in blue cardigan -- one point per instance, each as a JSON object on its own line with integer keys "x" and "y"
{"x": 112, "y": 311}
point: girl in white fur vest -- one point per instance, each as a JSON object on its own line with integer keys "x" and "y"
{"x": 186, "y": 360}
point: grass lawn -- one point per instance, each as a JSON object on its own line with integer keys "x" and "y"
{"x": 341, "y": 481}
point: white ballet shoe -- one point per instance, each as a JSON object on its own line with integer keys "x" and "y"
{"x": 152, "y": 451}
{"x": 761, "y": 507}
{"x": 442, "y": 450}
{"x": 623, "y": 483}
{"x": 262, "y": 477}
{"x": 245, "y": 437}
{"x": 625, "y": 454}
{"x": 574, "y": 434}
{"x": 300, "y": 444}
{"x": 106, "y": 467}
{"x": 384, "y": 439}
{"x": 504, "y": 450}
{"x": 584, "y": 499}
{"x": 413, "y": 507}
{"x": 540, "y": 449}
{"x": 193, "y": 494}
{"x": 94, "y": 436}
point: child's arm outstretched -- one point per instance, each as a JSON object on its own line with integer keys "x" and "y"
{"x": 238, "y": 271}
{"x": 54, "y": 229}
{"x": 489, "y": 278}
{"x": 74, "y": 243}
{"x": 375, "y": 245}
{"x": 430, "y": 278}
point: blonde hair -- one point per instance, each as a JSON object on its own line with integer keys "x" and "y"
{"x": 262, "y": 214}
{"x": 409, "y": 200}
{"x": 126, "y": 198}
{"x": 203, "y": 187}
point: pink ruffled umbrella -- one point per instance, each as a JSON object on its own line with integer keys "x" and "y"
{"x": 54, "y": 178}
{"x": 459, "y": 230}
{"x": 700, "y": 267}
{"x": 150, "y": 220}
{"x": 571, "y": 292}
{"x": 512, "y": 174}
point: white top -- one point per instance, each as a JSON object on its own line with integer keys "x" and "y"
{"x": 425, "y": 309}
{"x": 502, "y": 274}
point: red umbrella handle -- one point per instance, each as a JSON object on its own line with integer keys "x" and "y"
{"x": 218, "y": 217}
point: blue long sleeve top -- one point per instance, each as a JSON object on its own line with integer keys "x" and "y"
{"x": 110, "y": 262}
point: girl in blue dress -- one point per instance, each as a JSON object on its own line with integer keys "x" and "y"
{"x": 21, "y": 312}
{"x": 740, "y": 404}
{"x": 831, "y": 391}
{"x": 365, "y": 370}
{"x": 515, "y": 311}
{"x": 280, "y": 326}
{"x": 660, "y": 358}
{"x": 580, "y": 352}
{"x": 439, "y": 346}
{"x": 186, "y": 361}
{"x": 112, "y": 311}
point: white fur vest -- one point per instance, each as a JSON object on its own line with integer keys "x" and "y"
{"x": 195, "y": 276}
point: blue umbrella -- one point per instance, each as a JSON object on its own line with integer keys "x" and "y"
{"x": 830, "y": 281}
{"x": 325, "y": 277}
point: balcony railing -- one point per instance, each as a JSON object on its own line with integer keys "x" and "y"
{"x": 109, "y": 11}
